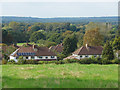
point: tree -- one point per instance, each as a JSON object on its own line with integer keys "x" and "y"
{"x": 55, "y": 37}
{"x": 36, "y": 36}
{"x": 14, "y": 25}
{"x": 69, "y": 44}
{"x": 116, "y": 43}
{"x": 108, "y": 51}
{"x": 35, "y": 28}
{"x": 65, "y": 34}
{"x": 93, "y": 37}
{"x": 73, "y": 28}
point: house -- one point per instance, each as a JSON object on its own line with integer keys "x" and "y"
{"x": 33, "y": 52}
{"x": 86, "y": 52}
{"x": 58, "y": 48}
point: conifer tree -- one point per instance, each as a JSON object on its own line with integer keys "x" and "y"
{"x": 108, "y": 51}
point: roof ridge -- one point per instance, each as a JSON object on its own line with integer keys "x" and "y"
{"x": 80, "y": 49}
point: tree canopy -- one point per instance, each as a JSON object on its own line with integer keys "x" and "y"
{"x": 93, "y": 37}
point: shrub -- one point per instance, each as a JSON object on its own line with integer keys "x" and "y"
{"x": 71, "y": 60}
{"x": 65, "y": 61}
{"x": 59, "y": 62}
{"x": 21, "y": 60}
{"x": 40, "y": 62}
{"x": 31, "y": 62}
{"x": 85, "y": 61}
{"x": 106, "y": 61}
{"x": 60, "y": 56}
{"x": 115, "y": 61}
{"x": 11, "y": 62}
{"x": 4, "y": 61}
{"x": 99, "y": 60}
{"x": 46, "y": 62}
{"x": 0, "y": 62}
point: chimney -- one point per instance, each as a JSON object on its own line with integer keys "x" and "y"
{"x": 27, "y": 43}
{"x": 35, "y": 49}
{"x": 86, "y": 45}
{"x": 14, "y": 44}
{"x": 33, "y": 46}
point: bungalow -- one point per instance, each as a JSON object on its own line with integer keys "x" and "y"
{"x": 33, "y": 52}
{"x": 86, "y": 52}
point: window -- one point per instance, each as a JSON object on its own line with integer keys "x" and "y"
{"x": 86, "y": 55}
{"x": 46, "y": 57}
{"x": 95, "y": 55}
{"x": 25, "y": 53}
{"x": 29, "y": 54}
{"x": 99, "y": 55}
{"x": 52, "y": 56}
{"x": 19, "y": 54}
{"x": 40, "y": 57}
{"x": 32, "y": 57}
{"x": 26, "y": 57}
{"x": 81, "y": 56}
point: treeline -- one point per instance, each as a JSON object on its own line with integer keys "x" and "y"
{"x": 15, "y": 32}
{"x": 73, "y": 20}
{"x": 48, "y": 34}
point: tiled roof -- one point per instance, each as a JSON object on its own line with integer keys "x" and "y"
{"x": 57, "y": 48}
{"x": 90, "y": 50}
{"x": 41, "y": 51}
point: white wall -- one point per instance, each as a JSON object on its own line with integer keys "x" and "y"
{"x": 13, "y": 58}
{"x": 35, "y": 57}
{"x": 83, "y": 56}
{"x": 43, "y": 57}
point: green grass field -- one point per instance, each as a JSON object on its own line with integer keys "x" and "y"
{"x": 20, "y": 44}
{"x": 60, "y": 76}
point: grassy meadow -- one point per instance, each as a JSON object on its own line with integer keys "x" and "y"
{"x": 60, "y": 76}
{"x": 20, "y": 44}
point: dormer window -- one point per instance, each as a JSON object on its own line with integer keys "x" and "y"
{"x": 46, "y": 57}
{"x": 80, "y": 55}
{"x": 52, "y": 56}
{"x": 40, "y": 57}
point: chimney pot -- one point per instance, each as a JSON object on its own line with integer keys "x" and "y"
{"x": 86, "y": 45}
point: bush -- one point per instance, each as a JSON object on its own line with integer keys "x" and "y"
{"x": 21, "y": 60}
{"x": 11, "y": 62}
{"x": 70, "y": 61}
{"x": 59, "y": 62}
{"x": 40, "y": 62}
{"x": 85, "y": 61}
{"x": 0, "y": 62}
{"x": 115, "y": 61}
{"x": 31, "y": 62}
{"x": 99, "y": 61}
{"x": 106, "y": 61}
{"x": 60, "y": 56}
{"x": 4, "y": 61}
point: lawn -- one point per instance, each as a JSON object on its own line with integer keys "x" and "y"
{"x": 20, "y": 44}
{"x": 60, "y": 76}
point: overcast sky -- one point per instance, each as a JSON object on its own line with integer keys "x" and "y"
{"x": 59, "y": 9}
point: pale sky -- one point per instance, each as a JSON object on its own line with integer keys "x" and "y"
{"x": 63, "y": 8}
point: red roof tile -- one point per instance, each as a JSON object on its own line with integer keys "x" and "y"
{"x": 57, "y": 48}
{"x": 90, "y": 50}
{"x": 41, "y": 51}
